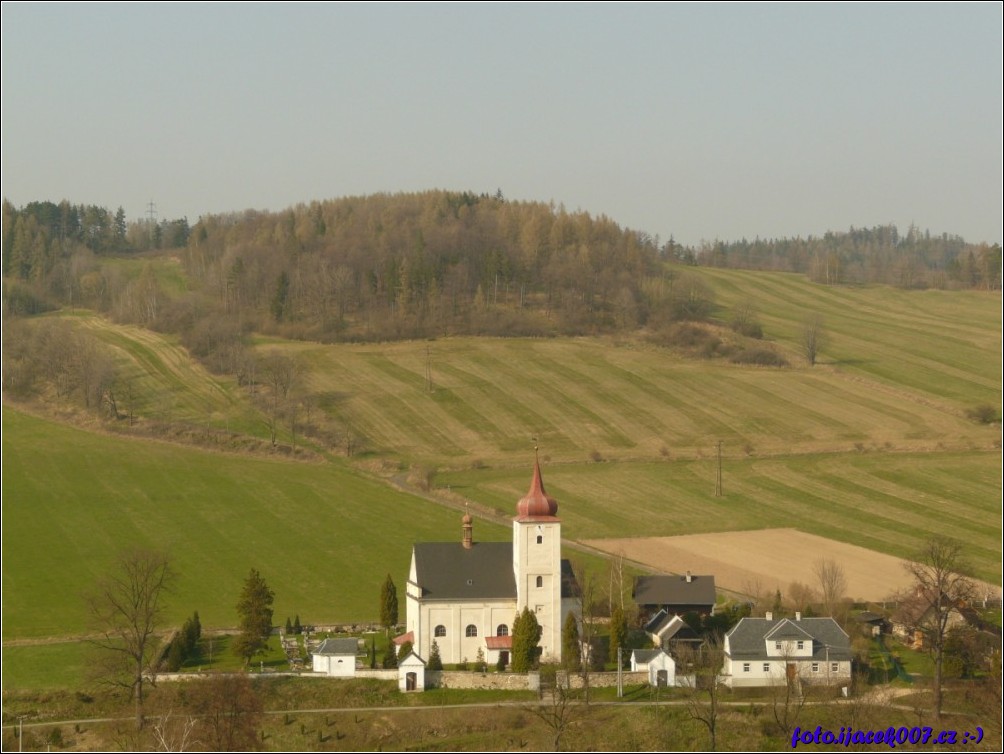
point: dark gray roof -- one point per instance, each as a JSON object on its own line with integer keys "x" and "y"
{"x": 657, "y": 622}
{"x": 569, "y": 584}
{"x": 787, "y": 629}
{"x": 866, "y": 616}
{"x": 645, "y": 655}
{"x": 449, "y": 571}
{"x": 748, "y": 639}
{"x": 674, "y": 590}
{"x": 338, "y": 647}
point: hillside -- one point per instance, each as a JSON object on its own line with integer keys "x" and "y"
{"x": 872, "y": 446}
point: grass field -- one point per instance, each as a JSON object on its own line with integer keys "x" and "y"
{"x": 882, "y": 501}
{"x": 323, "y": 536}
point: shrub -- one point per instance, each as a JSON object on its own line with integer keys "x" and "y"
{"x": 983, "y": 414}
{"x": 764, "y": 357}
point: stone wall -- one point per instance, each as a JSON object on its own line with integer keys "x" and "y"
{"x": 460, "y": 679}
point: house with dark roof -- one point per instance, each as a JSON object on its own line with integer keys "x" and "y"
{"x": 676, "y": 595}
{"x": 768, "y": 652}
{"x": 336, "y": 657}
{"x": 671, "y": 631}
{"x": 464, "y": 595}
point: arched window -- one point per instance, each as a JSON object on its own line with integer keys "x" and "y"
{"x": 540, "y": 539}
{"x": 502, "y": 630}
{"x": 471, "y": 630}
{"x": 540, "y": 581}
{"x": 440, "y": 631}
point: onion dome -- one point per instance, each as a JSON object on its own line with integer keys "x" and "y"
{"x": 536, "y": 503}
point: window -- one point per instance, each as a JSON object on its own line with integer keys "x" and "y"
{"x": 540, "y": 581}
{"x": 815, "y": 667}
{"x": 766, "y": 667}
{"x": 502, "y": 630}
{"x": 777, "y": 646}
{"x": 540, "y": 540}
{"x": 471, "y": 630}
{"x": 746, "y": 667}
{"x": 440, "y": 631}
{"x": 833, "y": 667}
{"x": 801, "y": 645}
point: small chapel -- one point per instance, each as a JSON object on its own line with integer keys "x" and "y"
{"x": 465, "y": 594}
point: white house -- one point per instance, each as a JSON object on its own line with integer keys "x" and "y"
{"x": 768, "y": 652}
{"x": 336, "y": 657}
{"x": 464, "y": 595}
{"x": 659, "y": 665}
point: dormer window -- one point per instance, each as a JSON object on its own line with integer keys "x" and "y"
{"x": 777, "y": 646}
{"x": 801, "y": 645}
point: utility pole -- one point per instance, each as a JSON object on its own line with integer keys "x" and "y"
{"x": 718, "y": 475}
{"x": 151, "y": 211}
{"x": 620, "y": 673}
{"x": 428, "y": 368}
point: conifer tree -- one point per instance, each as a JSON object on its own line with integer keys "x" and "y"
{"x": 435, "y": 660}
{"x": 526, "y": 633}
{"x": 571, "y": 650}
{"x": 388, "y": 603}
{"x": 255, "y": 611}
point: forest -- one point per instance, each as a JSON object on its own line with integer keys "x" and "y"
{"x": 398, "y": 266}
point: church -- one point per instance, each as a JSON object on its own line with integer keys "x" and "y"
{"x": 464, "y": 595}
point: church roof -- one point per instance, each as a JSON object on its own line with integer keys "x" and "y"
{"x": 536, "y": 505}
{"x": 449, "y": 571}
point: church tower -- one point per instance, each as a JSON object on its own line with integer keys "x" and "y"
{"x": 536, "y": 552}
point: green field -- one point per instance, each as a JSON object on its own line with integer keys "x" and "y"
{"x": 322, "y": 535}
{"x": 883, "y": 501}
{"x": 871, "y": 447}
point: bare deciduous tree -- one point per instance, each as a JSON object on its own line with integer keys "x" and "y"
{"x": 940, "y": 585}
{"x": 812, "y": 338}
{"x": 557, "y": 708}
{"x": 786, "y": 692}
{"x": 173, "y": 732}
{"x": 230, "y": 712}
{"x": 126, "y": 607}
{"x": 832, "y": 582}
{"x": 703, "y": 697}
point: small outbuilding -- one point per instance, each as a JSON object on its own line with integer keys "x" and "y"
{"x": 411, "y": 673}
{"x": 336, "y": 657}
{"x": 659, "y": 665}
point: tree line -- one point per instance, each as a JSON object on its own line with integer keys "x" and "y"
{"x": 864, "y": 255}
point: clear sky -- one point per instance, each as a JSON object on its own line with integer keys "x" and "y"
{"x": 699, "y": 121}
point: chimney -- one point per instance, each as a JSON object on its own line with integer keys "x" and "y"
{"x": 769, "y": 615}
{"x": 468, "y": 531}
{"x": 689, "y": 577}
{"x": 798, "y": 615}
